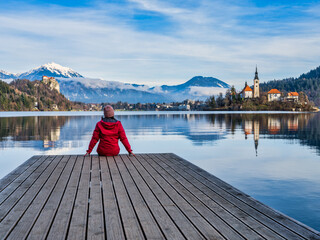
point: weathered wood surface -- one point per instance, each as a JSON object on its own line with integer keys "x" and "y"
{"x": 150, "y": 196}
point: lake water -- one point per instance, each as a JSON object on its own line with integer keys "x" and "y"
{"x": 274, "y": 157}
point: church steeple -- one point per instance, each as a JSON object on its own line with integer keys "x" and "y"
{"x": 256, "y": 74}
{"x": 256, "y": 93}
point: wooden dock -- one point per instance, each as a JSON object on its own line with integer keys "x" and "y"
{"x": 150, "y": 196}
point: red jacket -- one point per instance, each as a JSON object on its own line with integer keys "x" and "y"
{"x": 109, "y": 134}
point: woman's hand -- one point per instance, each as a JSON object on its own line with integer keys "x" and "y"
{"x": 87, "y": 154}
{"x": 132, "y": 154}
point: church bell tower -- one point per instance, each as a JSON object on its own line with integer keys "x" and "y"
{"x": 256, "y": 93}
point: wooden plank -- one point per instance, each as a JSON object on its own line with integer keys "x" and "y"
{"x": 15, "y": 191}
{"x": 78, "y": 223}
{"x": 206, "y": 229}
{"x": 95, "y": 215}
{"x": 182, "y": 222}
{"x": 256, "y": 209}
{"x": 209, "y": 197}
{"x": 47, "y": 213}
{"x": 147, "y": 221}
{"x": 60, "y": 225}
{"x": 9, "y": 222}
{"x": 6, "y": 180}
{"x": 25, "y": 223}
{"x": 131, "y": 224}
{"x": 113, "y": 222}
{"x": 226, "y": 230}
{"x": 168, "y": 227}
{"x": 224, "y": 219}
{"x": 21, "y": 179}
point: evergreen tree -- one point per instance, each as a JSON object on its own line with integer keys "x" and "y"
{"x": 211, "y": 102}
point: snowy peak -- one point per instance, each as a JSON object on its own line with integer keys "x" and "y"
{"x": 4, "y": 72}
{"x": 56, "y": 68}
{"x": 6, "y": 75}
{"x": 51, "y": 70}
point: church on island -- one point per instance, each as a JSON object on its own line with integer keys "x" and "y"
{"x": 273, "y": 94}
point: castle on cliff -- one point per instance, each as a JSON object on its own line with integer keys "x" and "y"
{"x": 51, "y": 82}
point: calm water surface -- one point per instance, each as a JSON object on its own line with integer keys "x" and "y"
{"x": 273, "y": 157}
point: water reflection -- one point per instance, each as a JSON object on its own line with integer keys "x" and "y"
{"x": 60, "y": 131}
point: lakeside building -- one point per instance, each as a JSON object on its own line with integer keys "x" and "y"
{"x": 293, "y": 96}
{"x": 246, "y": 92}
{"x": 184, "y": 107}
{"x": 274, "y": 95}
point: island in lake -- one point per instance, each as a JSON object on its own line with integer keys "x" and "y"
{"x": 256, "y": 100}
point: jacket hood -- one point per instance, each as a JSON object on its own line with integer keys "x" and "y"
{"x": 108, "y": 125}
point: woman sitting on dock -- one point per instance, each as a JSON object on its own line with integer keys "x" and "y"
{"x": 109, "y": 130}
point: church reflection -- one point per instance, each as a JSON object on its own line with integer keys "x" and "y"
{"x": 252, "y": 126}
{"x": 256, "y": 131}
{"x": 277, "y": 126}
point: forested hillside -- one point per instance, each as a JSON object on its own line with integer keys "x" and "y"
{"x": 13, "y": 100}
{"x": 308, "y": 83}
{"x": 24, "y": 95}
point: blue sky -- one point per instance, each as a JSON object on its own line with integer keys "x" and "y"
{"x": 163, "y": 42}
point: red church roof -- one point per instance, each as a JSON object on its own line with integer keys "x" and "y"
{"x": 247, "y": 89}
{"x": 274, "y": 91}
{"x": 293, "y": 94}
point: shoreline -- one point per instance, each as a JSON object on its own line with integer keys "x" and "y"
{"x": 123, "y": 113}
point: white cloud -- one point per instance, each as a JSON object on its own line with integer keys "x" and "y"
{"x": 160, "y": 7}
{"x": 214, "y": 38}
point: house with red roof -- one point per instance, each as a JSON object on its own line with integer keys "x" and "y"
{"x": 246, "y": 92}
{"x": 274, "y": 95}
{"x": 293, "y": 96}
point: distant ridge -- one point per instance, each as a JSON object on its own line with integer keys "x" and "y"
{"x": 76, "y": 87}
{"x": 198, "y": 81}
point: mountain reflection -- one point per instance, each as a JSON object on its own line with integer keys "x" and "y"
{"x": 55, "y": 131}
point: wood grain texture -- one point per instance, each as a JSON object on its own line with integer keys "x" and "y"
{"x": 6, "y": 180}
{"x": 149, "y": 196}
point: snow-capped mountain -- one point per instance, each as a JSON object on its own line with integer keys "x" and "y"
{"x": 107, "y": 91}
{"x": 50, "y": 69}
{"x": 78, "y": 88}
{"x": 196, "y": 88}
{"x": 6, "y": 75}
{"x": 96, "y": 90}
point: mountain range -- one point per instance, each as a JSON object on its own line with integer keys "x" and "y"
{"x": 76, "y": 87}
